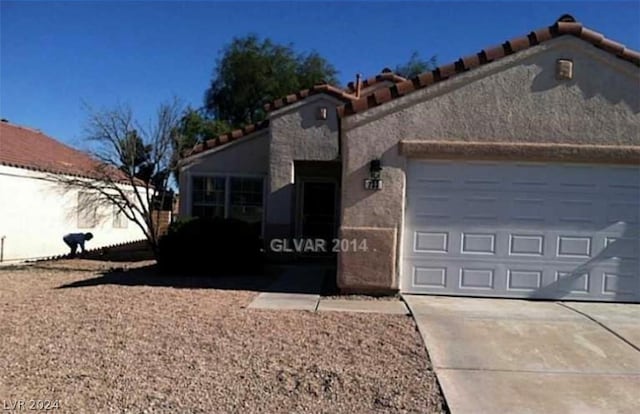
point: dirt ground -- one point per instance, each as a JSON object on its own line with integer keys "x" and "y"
{"x": 130, "y": 341}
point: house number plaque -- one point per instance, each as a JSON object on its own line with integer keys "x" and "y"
{"x": 373, "y": 184}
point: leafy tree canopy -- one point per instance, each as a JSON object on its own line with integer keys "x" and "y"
{"x": 195, "y": 127}
{"x": 416, "y": 65}
{"x": 134, "y": 155}
{"x": 252, "y": 71}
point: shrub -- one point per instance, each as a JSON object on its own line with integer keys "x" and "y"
{"x": 210, "y": 247}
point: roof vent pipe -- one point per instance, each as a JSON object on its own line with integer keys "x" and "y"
{"x": 567, "y": 18}
{"x": 358, "y": 85}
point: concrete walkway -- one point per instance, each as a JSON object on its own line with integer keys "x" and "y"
{"x": 502, "y": 356}
{"x": 299, "y": 289}
{"x": 390, "y": 307}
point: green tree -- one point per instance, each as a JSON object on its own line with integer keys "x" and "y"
{"x": 134, "y": 155}
{"x": 416, "y": 65}
{"x": 195, "y": 127}
{"x": 313, "y": 69}
{"x": 252, "y": 71}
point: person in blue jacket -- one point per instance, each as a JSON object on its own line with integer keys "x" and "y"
{"x": 73, "y": 240}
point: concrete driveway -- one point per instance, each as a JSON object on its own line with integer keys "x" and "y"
{"x": 500, "y": 355}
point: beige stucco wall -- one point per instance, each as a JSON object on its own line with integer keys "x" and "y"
{"x": 296, "y": 135}
{"x": 514, "y": 100}
{"x": 249, "y": 155}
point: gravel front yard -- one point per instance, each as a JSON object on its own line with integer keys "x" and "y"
{"x": 128, "y": 346}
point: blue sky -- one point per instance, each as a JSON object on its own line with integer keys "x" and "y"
{"x": 56, "y": 55}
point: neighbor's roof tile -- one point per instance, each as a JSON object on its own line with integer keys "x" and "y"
{"x": 28, "y": 148}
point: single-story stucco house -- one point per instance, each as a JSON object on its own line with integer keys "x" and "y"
{"x": 512, "y": 172}
{"x": 37, "y": 209}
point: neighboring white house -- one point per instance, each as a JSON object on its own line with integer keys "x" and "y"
{"x": 36, "y": 210}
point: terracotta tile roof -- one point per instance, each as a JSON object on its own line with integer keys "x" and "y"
{"x": 226, "y": 138}
{"x": 344, "y": 95}
{"x": 386, "y": 75}
{"x": 28, "y": 148}
{"x": 566, "y": 25}
{"x": 271, "y": 106}
{"x": 316, "y": 89}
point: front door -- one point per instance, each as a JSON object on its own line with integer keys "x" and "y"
{"x": 318, "y": 213}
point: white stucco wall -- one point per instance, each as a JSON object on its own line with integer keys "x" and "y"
{"x": 36, "y": 212}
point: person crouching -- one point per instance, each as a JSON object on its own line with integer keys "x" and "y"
{"x": 73, "y": 240}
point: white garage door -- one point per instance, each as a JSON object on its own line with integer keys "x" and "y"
{"x": 522, "y": 230}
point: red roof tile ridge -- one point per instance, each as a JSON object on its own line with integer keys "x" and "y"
{"x": 226, "y": 138}
{"x": 385, "y": 75}
{"x": 48, "y": 138}
{"x": 565, "y": 25}
{"x": 54, "y": 157}
{"x": 345, "y": 95}
{"x": 27, "y": 128}
{"x": 329, "y": 89}
{"x": 276, "y": 104}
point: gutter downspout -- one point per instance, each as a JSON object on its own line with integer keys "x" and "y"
{"x": 2, "y": 248}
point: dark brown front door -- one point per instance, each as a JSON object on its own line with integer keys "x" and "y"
{"x": 318, "y": 210}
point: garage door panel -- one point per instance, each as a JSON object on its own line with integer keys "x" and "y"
{"x": 446, "y": 277}
{"x": 519, "y": 209}
{"x": 554, "y": 246}
{"x": 522, "y": 243}
{"x": 618, "y": 283}
{"x": 572, "y": 282}
{"x": 522, "y": 230}
{"x": 623, "y": 210}
{"x": 523, "y": 280}
{"x": 620, "y": 247}
{"x": 523, "y": 176}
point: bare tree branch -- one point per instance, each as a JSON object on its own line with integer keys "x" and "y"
{"x": 132, "y": 163}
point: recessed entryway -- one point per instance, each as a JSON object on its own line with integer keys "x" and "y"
{"x": 317, "y": 193}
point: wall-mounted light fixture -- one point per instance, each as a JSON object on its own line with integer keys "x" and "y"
{"x": 375, "y": 167}
{"x": 374, "y": 182}
{"x": 564, "y": 69}
{"x": 321, "y": 113}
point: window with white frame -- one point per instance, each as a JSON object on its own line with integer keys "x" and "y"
{"x": 246, "y": 199}
{"x": 120, "y": 221}
{"x": 87, "y": 210}
{"x": 208, "y": 197}
{"x": 228, "y": 196}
